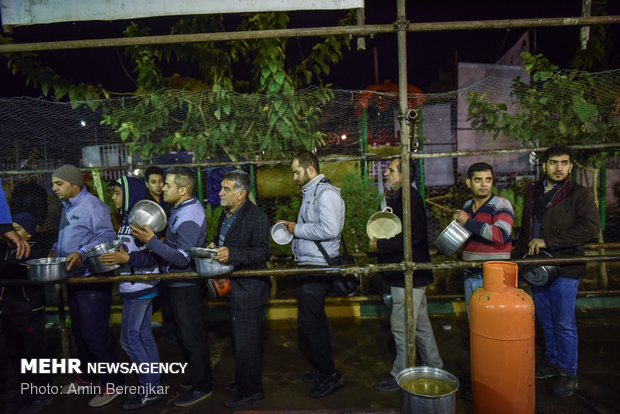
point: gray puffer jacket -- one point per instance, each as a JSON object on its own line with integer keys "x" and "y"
{"x": 321, "y": 218}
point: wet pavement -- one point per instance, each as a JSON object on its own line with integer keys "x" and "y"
{"x": 363, "y": 351}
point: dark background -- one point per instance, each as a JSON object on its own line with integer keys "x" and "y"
{"x": 432, "y": 56}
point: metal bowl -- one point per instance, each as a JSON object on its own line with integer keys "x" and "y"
{"x": 202, "y": 252}
{"x": 47, "y": 269}
{"x": 451, "y": 238}
{"x": 93, "y": 256}
{"x": 383, "y": 224}
{"x": 148, "y": 213}
{"x": 280, "y": 234}
{"x": 207, "y": 267}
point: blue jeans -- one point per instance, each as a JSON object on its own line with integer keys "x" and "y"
{"x": 137, "y": 337}
{"x": 472, "y": 281}
{"x": 555, "y": 311}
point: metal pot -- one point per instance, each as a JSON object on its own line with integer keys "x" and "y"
{"x": 280, "y": 234}
{"x": 451, "y": 238}
{"x": 93, "y": 256}
{"x": 205, "y": 265}
{"x": 540, "y": 275}
{"x": 148, "y": 213}
{"x": 47, "y": 269}
{"x": 383, "y": 224}
{"x": 427, "y": 390}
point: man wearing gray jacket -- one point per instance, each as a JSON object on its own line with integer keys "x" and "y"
{"x": 320, "y": 219}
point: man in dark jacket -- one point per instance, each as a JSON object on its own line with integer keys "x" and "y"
{"x": 391, "y": 251}
{"x": 560, "y": 216}
{"x": 243, "y": 241}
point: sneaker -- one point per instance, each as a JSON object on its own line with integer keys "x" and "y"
{"x": 191, "y": 397}
{"x": 106, "y": 396}
{"x": 311, "y": 377}
{"x": 240, "y": 401}
{"x": 139, "y": 401}
{"x": 546, "y": 370}
{"x": 565, "y": 384}
{"x": 387, "y": 384}
{"x": 326, "y": 385}
{"x": 77, "y": 386}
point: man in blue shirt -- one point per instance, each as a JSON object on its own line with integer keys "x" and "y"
{"x": 187, "y": 227}
{"x": 84, "y": 223}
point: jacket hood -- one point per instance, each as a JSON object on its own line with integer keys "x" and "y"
{"x": 134, "y": 190}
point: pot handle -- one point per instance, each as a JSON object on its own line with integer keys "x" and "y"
{"x": 388, "y": 209}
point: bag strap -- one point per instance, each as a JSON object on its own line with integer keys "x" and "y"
{"x": 322, "y": 249}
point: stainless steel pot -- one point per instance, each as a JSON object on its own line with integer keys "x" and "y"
{"x": 451, "y": 238}
{"x": 205, "y": 265}
{"x": 93, "y": 256}
{"x": 383, "y": 224}
{"x": 540, "y": 275}
{"x": 148, "y": 213}
{"x": 427, "y": 390}
{"x": 47, "y": 269}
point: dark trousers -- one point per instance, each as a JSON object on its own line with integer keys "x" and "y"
{"x": 247, "y": 340}
{"x": 187, "y": 308}
{"x": 313, "y": 322}
{"x": 24, "y": 337}
{"x": 89, "y": 309}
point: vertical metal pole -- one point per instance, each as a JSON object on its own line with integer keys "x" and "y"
{"x": 62, "y": 323}
{"x": 364, "y": 139}
{"x": 253, "y": 181}
{"x": 200, "y": 186}
{"x": 421, "y": 175}
{"x": 401, "y": 24}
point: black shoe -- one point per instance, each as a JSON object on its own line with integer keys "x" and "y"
{"x": 327, "y": 385}
{"x": 565, "y": 384}
{"x": 311, "y": 377}
{"x": 191, "y": 397}
{"x": 186, "y": 383}
{"x": 232, "y": 387}
{"x": 239, "y": 401}
{"x": 139, "y": 401}
{"x": 546, "y": 370}
{"x": 387, "y": 384}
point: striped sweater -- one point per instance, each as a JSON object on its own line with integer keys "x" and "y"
{"x": 491, "y": 227}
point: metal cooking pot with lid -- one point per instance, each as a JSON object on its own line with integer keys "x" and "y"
{"x": 451, "y": 238}
{"x": 47, "y": 269}
{"x": 383, "y": 224}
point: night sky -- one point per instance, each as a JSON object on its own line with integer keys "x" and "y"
{"x": 432, "y": 56}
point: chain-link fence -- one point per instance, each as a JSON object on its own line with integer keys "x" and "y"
{"x": 354, "y": 134}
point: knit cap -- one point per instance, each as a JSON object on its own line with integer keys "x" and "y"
{"x": 27, "y": 221}
{"x": 69, "y": 173}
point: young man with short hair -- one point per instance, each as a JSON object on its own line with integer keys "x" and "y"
{"x": 560, "y": 217}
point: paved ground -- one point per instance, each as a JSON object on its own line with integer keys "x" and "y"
{"x": 362, "y": 348}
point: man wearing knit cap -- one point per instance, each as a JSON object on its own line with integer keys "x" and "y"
{"x": 84, "y": 223}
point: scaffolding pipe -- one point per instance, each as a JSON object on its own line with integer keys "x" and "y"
{"x": 357, "y": 30}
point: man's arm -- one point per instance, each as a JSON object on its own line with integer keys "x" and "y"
{"x": 499, "y": 231}
{"x": 187, "y": 235}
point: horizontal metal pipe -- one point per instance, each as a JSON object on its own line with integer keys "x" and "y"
{"x": 345, "y": 270}
{"x": 358, "y": 30}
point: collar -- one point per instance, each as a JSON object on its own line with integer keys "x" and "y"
{"x": 231, "y": 212}
{"x": 75, "y": 200}
{"x": 312, "y": 182}
{"x": 185, "y": 203}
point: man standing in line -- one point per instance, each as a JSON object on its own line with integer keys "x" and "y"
{"x": 321, "y": 219}
{"x": 391, "y": 251}
{"x": 84, "y": 223}
{"x": 154, "y": 181}
{"x": 489, "y": 217}
{"x": 560, "y": 216}
{"x": 7, "y": 230}
{"x": 187, "y": 228}
{"x": 243, "y": 241}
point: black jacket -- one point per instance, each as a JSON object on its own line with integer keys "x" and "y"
{"x": 391, "y": 250}
{"x": 248, "y": 248}
{"x": 15, "y": 299}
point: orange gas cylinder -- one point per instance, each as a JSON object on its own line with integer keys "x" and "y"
{"x": 502, "y": 343}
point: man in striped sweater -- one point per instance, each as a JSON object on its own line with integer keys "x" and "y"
{"x": 489, "y": 217}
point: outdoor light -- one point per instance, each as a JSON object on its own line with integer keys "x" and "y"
{"x": 343, "y": 137}
{"x": 83, "y": 123}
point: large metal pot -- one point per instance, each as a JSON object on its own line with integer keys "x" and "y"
{"x": 383, "y": 224}
{"x": 47, "y": 269}
{"x": 540, "y": 275}
{"x": 93, "y": 256}
{"x": 427, "y": 390}
{"x": 148, "y": 213}
{"x": 451, "y": 238}
{"x": 205, "y": 265}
